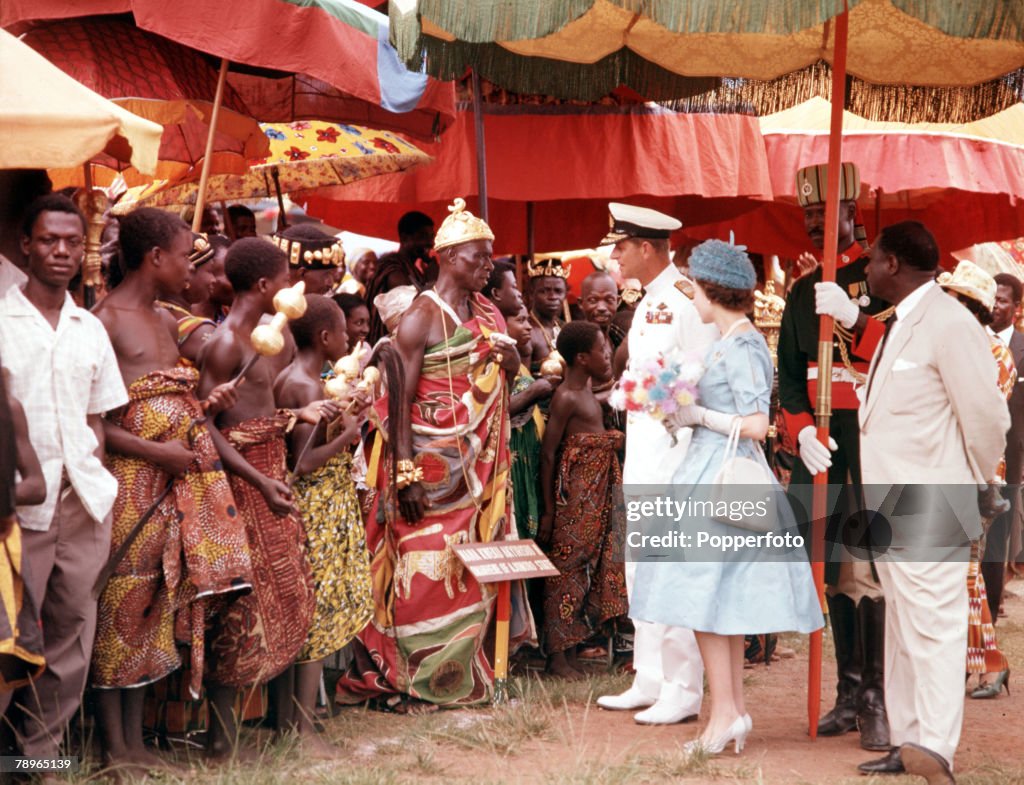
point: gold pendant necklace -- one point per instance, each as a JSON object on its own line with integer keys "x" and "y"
{"x": 548, "y": 339}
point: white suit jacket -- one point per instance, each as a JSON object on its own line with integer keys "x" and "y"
{"x": 933, "y": 413}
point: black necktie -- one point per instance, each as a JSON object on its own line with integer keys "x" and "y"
{"x": 889, "y": 324}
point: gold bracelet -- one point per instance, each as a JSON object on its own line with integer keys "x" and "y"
{"x": 408, "y": 473}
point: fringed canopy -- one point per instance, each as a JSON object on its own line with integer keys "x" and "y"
{"x": 909, "y": 60}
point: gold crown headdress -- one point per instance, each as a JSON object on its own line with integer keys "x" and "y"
{"x": 301, "y": 254}
{"x": 547, "y": 267}
{"x": 461, "y": 226}
{"x": 202, "y": 251}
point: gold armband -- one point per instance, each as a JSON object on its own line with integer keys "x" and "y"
{"x": 407, "y": 474}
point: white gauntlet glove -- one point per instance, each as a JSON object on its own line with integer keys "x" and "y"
{"x": 831, "y": 300}
{"x": 815, "y": 455}
{"x": 688, "y": 416}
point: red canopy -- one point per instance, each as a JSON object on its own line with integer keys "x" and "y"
{"x": 961, "y": 181}
{"x": 569, "y": 162}
{"x": 341, "y": 42}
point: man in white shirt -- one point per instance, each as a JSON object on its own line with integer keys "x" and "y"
{"x": 62, "y": 369}
{"x": 933, "y": 425}
{"x": 669, "y": 678}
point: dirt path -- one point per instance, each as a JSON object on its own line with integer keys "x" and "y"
{"x": 572, "y": 741}
{"x": 554, "y": 734}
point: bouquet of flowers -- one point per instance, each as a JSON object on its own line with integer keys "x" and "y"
{"x": 659, "y": 387}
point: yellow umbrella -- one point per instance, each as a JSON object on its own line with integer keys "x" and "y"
{"x": 303, "y": 156}
{"x": 48, "y": 120}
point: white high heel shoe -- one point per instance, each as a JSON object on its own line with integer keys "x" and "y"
{"x": 736, "y": 733}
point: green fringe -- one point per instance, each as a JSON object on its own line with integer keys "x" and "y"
{"x": 739, "y": 16}
{"x": 998, "y": 19}
{"x": 573, "y": 81}
{"x": 590, "y": 83}
{"x": 405, "y": 32}
{"x": 485, "y": 21}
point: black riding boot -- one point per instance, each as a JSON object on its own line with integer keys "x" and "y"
{"x": 871, "y": 717}
{"x": 843, "y": 618}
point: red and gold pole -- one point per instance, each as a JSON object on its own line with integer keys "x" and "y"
{"x": 823, "y": 405}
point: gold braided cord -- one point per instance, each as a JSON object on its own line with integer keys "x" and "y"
{"x": 844, "y": 337}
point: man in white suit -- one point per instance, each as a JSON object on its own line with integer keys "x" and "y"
{"x": 933, "y": 420}
{"x": 669, "y": 682}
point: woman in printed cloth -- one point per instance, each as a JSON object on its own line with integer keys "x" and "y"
{"x": 976, "y": 290}
{"x": 723, "y": 596}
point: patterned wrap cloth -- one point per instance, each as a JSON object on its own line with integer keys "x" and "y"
{"x": 21, "y": 635}
{"x": 983, "y": 654}
{"x": 259, "y": 634}
{"x": 431, "y": 616}
{"x": 525, "y": 442}
{"x": 591, "y": 587}
{"x": 194, "y": 545}
{"x": 337, "y": 557}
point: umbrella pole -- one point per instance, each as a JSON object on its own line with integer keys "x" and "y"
{"x": 282, "y": 214}
{"x": 481, "y": 147}
{"x": 530, "y": 231}
{"x": 88, "y": 291}
{"x": 197, "y": 219}
{"x": 823, "y": 405}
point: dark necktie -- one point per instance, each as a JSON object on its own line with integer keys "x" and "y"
{"x": 889, "y": 324}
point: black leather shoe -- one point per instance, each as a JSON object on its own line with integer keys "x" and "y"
{"x": 890, "y": 764}
{"x": 842, "y": 719}
{"x": 925, "y": 763}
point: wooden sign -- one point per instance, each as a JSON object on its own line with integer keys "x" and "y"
{"x": 505, "y": 560}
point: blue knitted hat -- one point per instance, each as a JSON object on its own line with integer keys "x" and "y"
{"x": 722, "y": 263}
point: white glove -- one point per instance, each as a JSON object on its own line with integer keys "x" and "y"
{"x": 816, "y": 457}
{"x": 684, "y": 417}
{"x": 831, "y": 300}
{"x": 688, "y": 416}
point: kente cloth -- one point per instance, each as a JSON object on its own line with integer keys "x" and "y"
{"x": 338, "y": 559}
{"x": 983, "y": 655}
{"x": 258, "y": 635}
{"x": 430, "y": 615}
{"x": 192, "y": 547}
{"x": 188, "y": 322}
{"x": 21, "y": 635}
{"x": 591, "y": 587}
{"x": 524, "y": 444}
{"x": 1006, "y": 381}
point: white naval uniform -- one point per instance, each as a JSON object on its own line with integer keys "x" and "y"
{"x": 666, "y": 659}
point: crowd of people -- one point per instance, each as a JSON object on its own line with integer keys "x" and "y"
{"x": 254, "y": 452}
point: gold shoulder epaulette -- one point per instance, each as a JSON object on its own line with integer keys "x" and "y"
{"x": 686, "y": 287}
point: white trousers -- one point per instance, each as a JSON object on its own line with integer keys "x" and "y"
{"x": 667, "y": 661}
{"x": 925, "y": 652}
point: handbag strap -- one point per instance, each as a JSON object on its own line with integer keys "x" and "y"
{"x": 733, "y": 443}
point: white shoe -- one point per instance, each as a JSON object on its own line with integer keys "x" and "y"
{"x": 748, "y": 722}
{"x": 736, "y": 733}
{"x": 662, "y": 713}
{"x": 629, "y": 700}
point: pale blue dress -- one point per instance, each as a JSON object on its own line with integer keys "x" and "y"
{"x": 729, "y": 597}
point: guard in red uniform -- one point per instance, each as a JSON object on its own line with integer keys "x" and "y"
{"x": 856, "y": 606}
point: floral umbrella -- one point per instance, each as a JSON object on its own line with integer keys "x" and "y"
{"x": 303, "y": 156}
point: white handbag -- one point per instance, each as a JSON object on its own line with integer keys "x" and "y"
{"x": 743, "y": 491}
